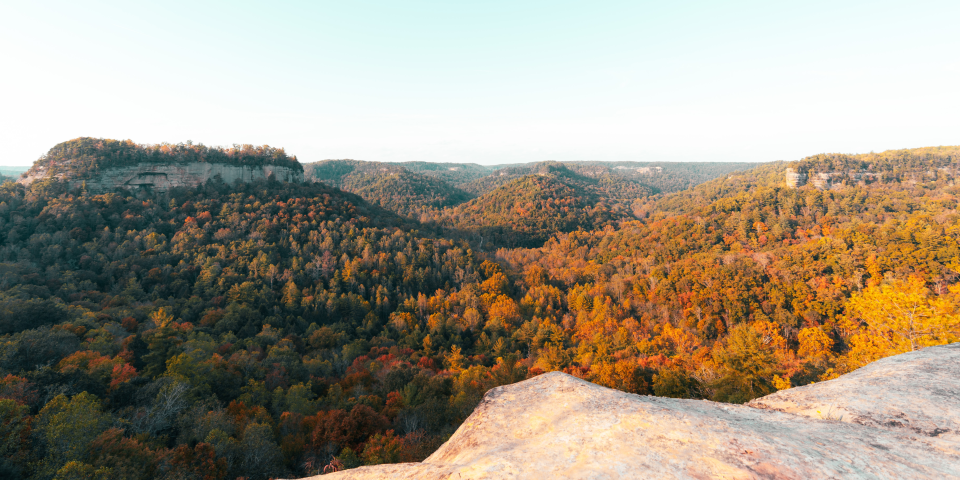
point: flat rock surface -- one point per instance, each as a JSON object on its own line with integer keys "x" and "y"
{"x": 558, "y": 426}
{"x": 918, "y": 391}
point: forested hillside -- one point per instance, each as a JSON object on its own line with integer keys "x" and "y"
{"x": 530, "y": 209}
{"x": 274, "y": 329}
{"x": 388, "y": 185}
{"x": 452, "y": 173}
{"x": 515, "y": 206}
{"x": 429, "y": 192}
{"x": 896, "y": 164}
{"x": 663, "y": 176}
{"x": 621, "y": 177}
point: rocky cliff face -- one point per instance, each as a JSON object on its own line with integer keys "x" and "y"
{"x": 163, "y": 176}
{"x": 558, "y": 426}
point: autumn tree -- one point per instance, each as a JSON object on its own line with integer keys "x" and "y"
{"x": 746, "y": 364}
{"x": 68, "y": 426}
{"x": 898, "y": 317}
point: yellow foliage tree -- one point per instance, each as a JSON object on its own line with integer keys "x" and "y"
{"x": 747, "y": 366}
{"x": 677, "y": 341}
{"x": 455, "y": 359}
{"x": 161, "y": 317}
{"x": 781, "y": 383}
{"x": 899, "y": 317}
{"x": 815, "y": 345}
{"x": 506, "y": 309}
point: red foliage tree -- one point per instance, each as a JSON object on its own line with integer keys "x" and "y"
{"x": 347, "y": 429}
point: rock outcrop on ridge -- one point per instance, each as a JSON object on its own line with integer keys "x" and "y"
{"x": 558, "y": 426}
{"x": 164, "y": 176}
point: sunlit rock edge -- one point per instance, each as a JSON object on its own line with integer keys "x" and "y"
{"x": 895, "y": 418}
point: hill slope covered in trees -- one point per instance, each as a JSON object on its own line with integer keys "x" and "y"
{"x": 530, "y": 209}
{"x": 619, "y": 177}
{"x": 388, "y": 185}
{"x": 272, "y": 329}
{"x": 422, "y": 190}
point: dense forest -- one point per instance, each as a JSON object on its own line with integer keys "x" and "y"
{"x": 415, "y": 188}
{"x": 275, "y": 329}
{"x": 658, "y": 177}
{"x": 456, "y": 174}
{"x": 894, "y": 164}
{"x": 530, "y": 209}
{"x": 388, "y": 185}
{"x": 511, "y": 206}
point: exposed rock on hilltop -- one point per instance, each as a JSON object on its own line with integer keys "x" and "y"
{"x": 914, "y": 165}
{"x": 558, "y": 426}
{"x": 164, "y": 177}
{"x": 102, "y": 164}
{"x": 919, "y": 391}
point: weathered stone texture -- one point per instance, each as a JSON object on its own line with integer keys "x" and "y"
{"x": 164, "y": 176}
{"x": 558, "y": 426}
{"x": 918, "y": 391}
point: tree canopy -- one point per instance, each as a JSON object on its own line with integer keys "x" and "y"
{"x": 277, "y": 329}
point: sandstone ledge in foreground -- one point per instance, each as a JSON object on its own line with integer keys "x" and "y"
{"x": 558, "y": 426}
{"x": 918, "y": 391}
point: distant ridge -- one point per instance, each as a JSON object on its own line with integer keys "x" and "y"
{"x": 528, "y": 209}
{"x": 388, "y": 185}
{"x": 518, "y": 204}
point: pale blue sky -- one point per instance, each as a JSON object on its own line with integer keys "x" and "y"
{"x": 485, "y": 81}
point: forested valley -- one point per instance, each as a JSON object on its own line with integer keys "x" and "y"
{"x": 276, "y": 329}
